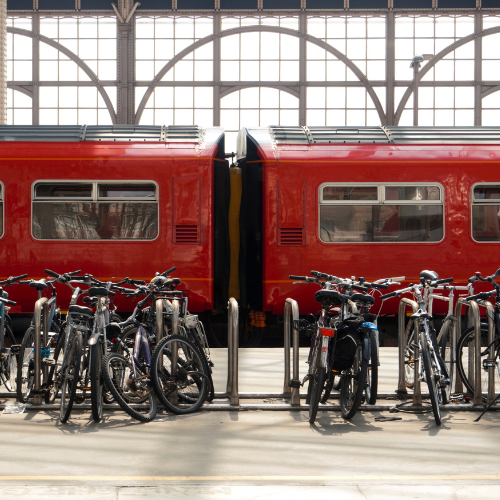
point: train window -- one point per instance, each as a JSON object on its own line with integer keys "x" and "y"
{"x": 67, "y": 190}
{"x": 381, "y": 213}
{"x": 1, "y": 210}
{"x": 95, "y": 211}
{"x": 486, "y": 212}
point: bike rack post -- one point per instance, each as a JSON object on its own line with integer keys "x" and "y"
{"x": 40, "y": 308}
{"x": 232, "y": 352}
{"x": 490, "y": 310}
{"x": 291, "y": 306}
{"x": 473, "y": 313}
{"x": 417, "y": 397}
{"x": 159, "y": 320}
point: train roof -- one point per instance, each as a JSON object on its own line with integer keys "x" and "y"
{"x": 275, "y": 136}
{"x": 111, "y": 133}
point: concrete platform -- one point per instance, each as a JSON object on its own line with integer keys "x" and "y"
{"x": 252, "y": 454}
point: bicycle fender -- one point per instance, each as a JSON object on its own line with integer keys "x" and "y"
{"x": 367, "y": 354}
{"x": 94, "y": 338}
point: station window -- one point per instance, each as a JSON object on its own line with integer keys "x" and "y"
{"x": 89, "y": 210}
{"x": 1, "y": 210}
{"x": 486, "y": 212}
{"x": 381, "y": 213}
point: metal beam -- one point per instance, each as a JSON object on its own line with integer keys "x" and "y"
{"x": 478, "y": 69}
{"x": 216, "y": 69}
{"x": 390, "y": 59}
{"x": 436, "y": 59}
{"x": 35, "y": 71}
{"x": 73, "y": 57}
{"x": 270, "y": 29}
{"x": 302, "y": 71}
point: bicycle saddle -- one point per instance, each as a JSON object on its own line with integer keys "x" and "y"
{"x": 429, "y": 275}
{"x": 99, "y": 292}
{"x": 336, "y": 298}
{"x": 361, "y": 297}
{"x": 80, "y": 310}
{"x": 39, "y": 285}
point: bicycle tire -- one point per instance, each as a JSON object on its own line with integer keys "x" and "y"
{"x": 409, "y": 353}
{"x": 206, "y": 367}
{"x": 352, "y": 385}
{"x": 26, "y": 366}
{"x": 177, "y": 375}
{"x": 71, "y": 376}
{"x": 96, "y": 381}
{"x": 466, "y": 368}
{"x": 430, "y": 378}
{"x": 8, "y": 372}
{"x": 316, "y": 390}
{"x": 444, "y": 342}
{"x": 372, "y": 376}
{"x": 128, "y": 390}
{"x": 54, "y": 378}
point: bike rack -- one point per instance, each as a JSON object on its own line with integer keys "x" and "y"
{"x": 41, "y": 307}
{"x": 289, "y": 390}
{"x": 476, "y": 321}
{"x": 417, "y": 395}
{"x": 232, "y": 352}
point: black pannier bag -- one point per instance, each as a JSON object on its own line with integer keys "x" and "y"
{"x": 347, "y": 342}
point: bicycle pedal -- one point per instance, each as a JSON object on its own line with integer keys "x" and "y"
{"x": 48, "y": 362}
{"x": 294, "y": 384}
{"x": 488, "y": 363}
{"x": 14, "y": 349}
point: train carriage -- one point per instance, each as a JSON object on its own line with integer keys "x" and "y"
{"x": 114, "y": 201}
{"x": 370, "y": 201}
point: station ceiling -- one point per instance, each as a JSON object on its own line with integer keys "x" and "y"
{"x": 246, "y": 5}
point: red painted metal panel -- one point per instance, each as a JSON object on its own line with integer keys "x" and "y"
{"x": 456, "y": 167}
{"x": 24, "y": 163}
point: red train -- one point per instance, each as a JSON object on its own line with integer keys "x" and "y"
{"x": 131, "y": 200}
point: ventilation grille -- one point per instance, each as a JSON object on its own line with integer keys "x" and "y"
{"x": 291, "y": 236}
{"x": 186, "y": 234}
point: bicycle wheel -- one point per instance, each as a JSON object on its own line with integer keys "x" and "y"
{"x": 55, "y": 372}
{"x": 372, "y": 376}
{"x": 71, "y": 376}
{"x": 352, "y": 385}
{"x": 317, "y": 384}
{"x": 410, "y": 340}
{"x": 96, "y": 382}
{"x": 466, "y": 359}
{"x": 206, "y": 365}
{"x": 26, "y": 366}
{"x": 177, "y": 374}
{"x": 444, "y": 348}
{"x": 8, "y": 371}
{"x": 132, "y": 390}
{"x": 430, "y": 378}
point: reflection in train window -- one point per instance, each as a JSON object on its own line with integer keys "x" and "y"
{"x": 95, "y": 211}
{"x": 1, "y": 209}
{"x": 486, "y": 212}
{"x": 381, "y": 213}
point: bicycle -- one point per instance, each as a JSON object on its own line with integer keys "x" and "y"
{"x": 431, "y": 367}
{"x": 490, "y": 349}
{"x": 337, "y": 322}
{"x": 8, "y": 356}
{"x": 49, "y": 333}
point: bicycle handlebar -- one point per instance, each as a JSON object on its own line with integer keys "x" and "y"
{"x": 482, "y": 296}
{"x": 8, "y": 302}
{"x": 388, "y": 295}
{"x": 168, "y": 271}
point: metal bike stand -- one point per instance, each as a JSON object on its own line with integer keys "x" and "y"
{"x": 159, "y": 320}
{"x": 174, "y": 305}
{"x": 417, "y": 396}
{"x": 490, "y": 309}
{"x": 41, "y": 308}
{"x": 291, "y": 306}
{"x": 232, "y": 352}
{"x": 473, "y": 313}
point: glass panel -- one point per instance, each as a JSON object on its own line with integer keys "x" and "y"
{"x": 486, "y": 222}
{"x": 487, "y": 192}
{"x": 95, "y": 221}
{"x": 418, "y": 193}
{"x": 350, "y": 193}
{"x": 63, "y": 191}
{"x": 127, "y": 191}
{"x": 381, "y": 223}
